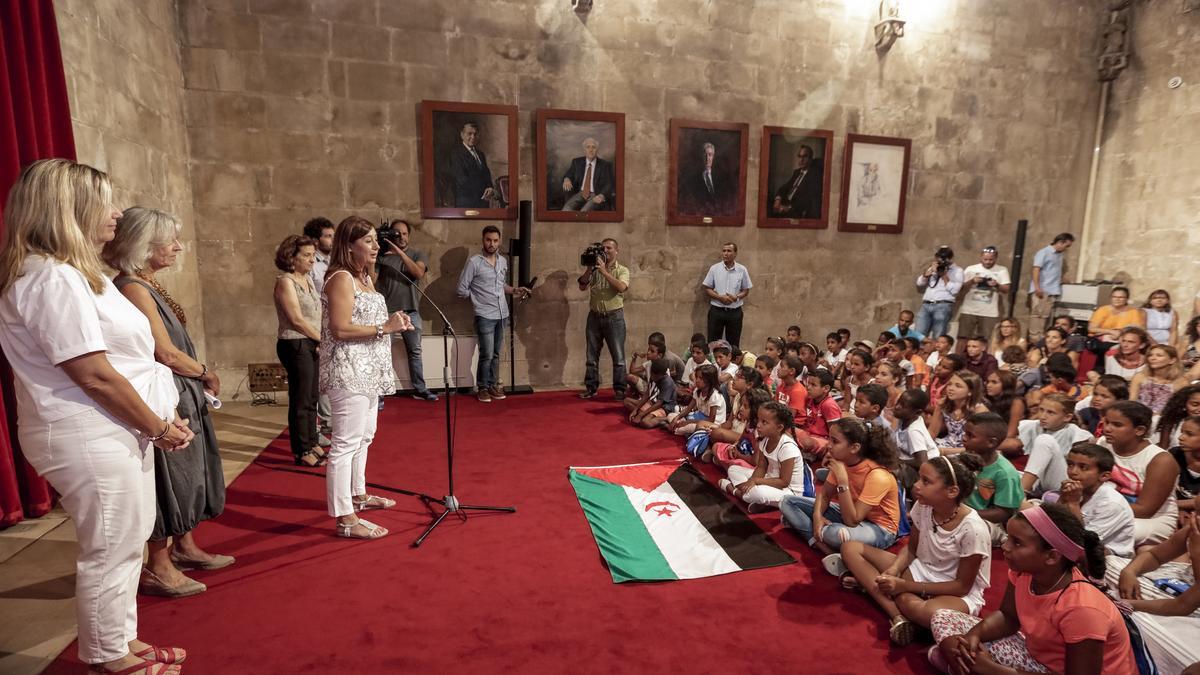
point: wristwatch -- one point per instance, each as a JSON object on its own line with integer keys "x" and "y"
{"x": 842, "y": 488}
{"x": 378, "y": 331}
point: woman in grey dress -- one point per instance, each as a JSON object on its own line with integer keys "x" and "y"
{"x": 190, "y": 482}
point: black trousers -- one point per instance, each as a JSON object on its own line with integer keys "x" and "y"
{"x": 725, "y": 322}
{"x": 299, "y": 358}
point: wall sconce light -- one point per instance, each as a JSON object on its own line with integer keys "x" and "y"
{"x": 890, "y": 25}
{"x": 581, "y": 6}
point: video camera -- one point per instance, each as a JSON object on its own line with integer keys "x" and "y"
{"x": 384, "y": 232}
{"x": 592, "y": 255}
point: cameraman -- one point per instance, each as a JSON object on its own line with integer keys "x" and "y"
{"x": 986, "y": 282}
{"x": 399, "y": 268}
{"x": 606, "y": 283}
{"x": 941, "y": 282}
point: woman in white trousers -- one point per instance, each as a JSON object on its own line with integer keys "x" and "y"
{"x": 90, "y": 398}
{"x": 355, "y": 370}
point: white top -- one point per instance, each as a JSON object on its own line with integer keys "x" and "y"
{"x": 1109, "y": 515}
{"x": 1129, "y": 475}
{"x": 787, "y": 449}
{"x": 689, "y": 369}
{"x": 730, "y": 370}
{"x": 939, "y": 551}
{"x": 1113, "y": 367}
{"x": 724, "y": 280}
{"x": 361, "y": 366}
{"x": 717, "y": 402}
{"x": 908, "y": 367}
{"x": 49, "y": 316}
{"x": 1158, "y": 324}
{"x": 916, "y": 438}
{"x": 983, "y": 300}
{"x": 1068, "y": 435}
{"x": 835, "y": 359}
{"x": 938, "y": 289}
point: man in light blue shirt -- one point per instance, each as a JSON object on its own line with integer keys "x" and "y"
{"x": 1045, "y": 286}
{"x": 484, "y": 281}
{"x": 727, "y": 284}
{"x": 941, "y": 283}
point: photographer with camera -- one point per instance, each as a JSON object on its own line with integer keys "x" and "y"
{"x": 400, "y": 268}
{"x": 985, "y": 282}
{"x": 606, "y": 281}
{"x": 941, "y": 282}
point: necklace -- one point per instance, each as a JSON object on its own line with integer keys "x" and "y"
{"x": 175, "y": 308}
{"x": 942, "y": 524}
{"x": 1052, "y": 586}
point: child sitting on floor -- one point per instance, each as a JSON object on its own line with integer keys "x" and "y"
{"x": 652, "y": 408}
{"x": 1187, "y": 456}
{"x": 947, "y": 562}
{"x": 1094, "y": 500}
{"x": 820, "y": 411}
{"x": 1062, "y": 377}
{"x": 791, "y": 392}
{"x": 809, "y": 357}
{"x": 1046, "y": 441}
{"x": 860, "y": 500}
{"x": 779, "y": 471}
{"x": 890, "y": 376}
{"x": 913, "y": 443}
{"x": 1136, "y": 585}
{"x": 723, "y": 356}
{"x": 947, "y": 366}
{"x": 707, "y": 403}
{"x": 1108, "y": 390}
{"x": 698, "y": 357}
{"x": 998, "y": 492}
{"x": 962, "y": 397}
{"x": 1145, "y": 473}
{"x": 870, "y": 401}
{"x": 767, "y": 365}
{"x": 856, "y": 373}
{"x": 1051, "y": 620}
{"x": 636, "y": 379}
{"x": 733, "y": 441}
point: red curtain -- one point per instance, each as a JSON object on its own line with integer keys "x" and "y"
{"x": 35, "y": 123}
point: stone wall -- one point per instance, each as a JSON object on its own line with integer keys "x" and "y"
{"x": 126, "y": 91}
{"x": 1147, "y": 213}
{"x": 304, "y": 107}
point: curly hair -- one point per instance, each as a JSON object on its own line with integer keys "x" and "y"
{"x": 874, "y": 440}
{"x": 289, "y": 248}
{"x": 1175, "y": 412}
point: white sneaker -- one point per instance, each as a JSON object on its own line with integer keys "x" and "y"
{"x": 834, "y": 564}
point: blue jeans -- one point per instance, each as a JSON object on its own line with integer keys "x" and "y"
{"x": 412, "y": 346}
{"x": 798, "y": 514}
{"x": 933, "y": 319}
{"x": 608, "y": 329}
{"x": 490, "y": 333}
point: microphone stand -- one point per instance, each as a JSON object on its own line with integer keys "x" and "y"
{"x": 449, "y": 503}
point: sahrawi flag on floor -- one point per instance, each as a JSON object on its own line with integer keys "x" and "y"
{"x": 662, "y": 520}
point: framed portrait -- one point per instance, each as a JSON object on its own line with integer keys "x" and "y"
{"x": 580, "y": 165}
{"x": 468, "y": 160}
{"x": 793, "y": 178}
{"x": 874, "y": 184}
{"x": 706, "y": 174}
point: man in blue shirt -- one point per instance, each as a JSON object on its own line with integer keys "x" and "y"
{"x": 727, "y": 284}
{"x": 903, "y": 327}
{"x": 1045, "y": 286}
{"x": 484, "y": 281}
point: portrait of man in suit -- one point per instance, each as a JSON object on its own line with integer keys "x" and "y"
{"x": 469, "y": 169}
{"x": 590, "y": 183}
{"x": 707, "y": 181}
{"x": 800, "y": 195}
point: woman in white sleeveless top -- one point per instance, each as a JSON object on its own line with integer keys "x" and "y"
{"x": 356, "y": 369}
{"x": 91, "y": 400}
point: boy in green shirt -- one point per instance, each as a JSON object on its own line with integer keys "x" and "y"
{"x": 998, "y": 492}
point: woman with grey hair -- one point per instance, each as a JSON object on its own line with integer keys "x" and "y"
{"x": 191, "y": 483}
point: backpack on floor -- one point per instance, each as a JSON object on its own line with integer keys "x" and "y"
{"x": 905, "y": 526}
{"x": 697, "y": 443}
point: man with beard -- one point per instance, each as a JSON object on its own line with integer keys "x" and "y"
{"x": 484, "y": 282}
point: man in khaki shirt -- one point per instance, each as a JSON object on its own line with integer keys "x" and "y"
{"x": 606, "y": 283}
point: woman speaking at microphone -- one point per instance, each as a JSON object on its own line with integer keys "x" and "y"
{"x": 356, "y": 369}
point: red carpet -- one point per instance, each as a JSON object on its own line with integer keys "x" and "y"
{"x": 522, "y": 592}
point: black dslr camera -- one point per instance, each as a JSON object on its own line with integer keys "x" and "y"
{"x": 384, "y": 232}
{"x": 944, "y": 257}
{"x": 592, "y": 255}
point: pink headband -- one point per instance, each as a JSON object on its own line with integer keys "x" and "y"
{"x": 1045, "y": 527}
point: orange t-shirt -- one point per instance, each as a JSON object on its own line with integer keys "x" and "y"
{"x": 1105, "y": 318}
{"x": 1081, "y": 612}
{"x": 794, "y": 397}
{"x": 920, "y": 368}
{"x": 873, "y": 484}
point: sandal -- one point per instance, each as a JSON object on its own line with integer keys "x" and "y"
{"x": 850, "y": 583}
{"x": 368, "y": 502}
{"x": 141, "y": 668}
{"x": 320, "y": 453}
{"x": 373, "y": 531}
{"x": 902, "y": 631}
{"x": 310, "y": 459}
{"x": 167, "y": 655}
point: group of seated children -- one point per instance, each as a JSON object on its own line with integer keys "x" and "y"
{"x": 856, "y": 451}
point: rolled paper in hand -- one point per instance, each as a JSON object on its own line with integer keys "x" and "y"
{"x": 213, "y": 401}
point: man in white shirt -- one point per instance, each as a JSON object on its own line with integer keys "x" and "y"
{"x": 984, "y": 284}
{"x": 727, "y": 284}
{"x": 941, "y": 282}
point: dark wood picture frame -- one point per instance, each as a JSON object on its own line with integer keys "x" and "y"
{"x": 440, "y": 145}
{"x": 683, "y": 206}
{"x": 890, "y": 183}
{"x": 550, "y": 168}
{"x": 769, "y": 185}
